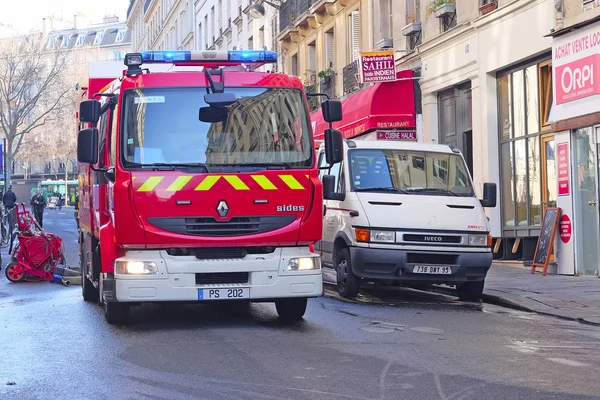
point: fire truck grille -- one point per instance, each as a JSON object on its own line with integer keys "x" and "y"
{"x": 209, "y": 226}
{"x": 217, "y": 278}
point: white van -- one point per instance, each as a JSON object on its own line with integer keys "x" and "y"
{"x": 406, "y": 213}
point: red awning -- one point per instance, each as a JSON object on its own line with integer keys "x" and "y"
{"x": 385, "y": 105}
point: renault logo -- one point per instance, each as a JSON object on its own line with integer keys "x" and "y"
{"x": 222, "y": 209}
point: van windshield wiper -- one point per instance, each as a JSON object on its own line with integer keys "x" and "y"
{"x": 439, "y": 190}
{"x": 180, "y": 165}
{"x": 380, "y": 189}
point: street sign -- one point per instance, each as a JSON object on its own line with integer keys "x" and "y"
{"x": 378, "y": 66}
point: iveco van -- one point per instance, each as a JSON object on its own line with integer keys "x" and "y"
{"x": 406, "y": 213}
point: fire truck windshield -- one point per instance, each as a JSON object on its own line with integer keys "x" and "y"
{"x": 264, "y": 126}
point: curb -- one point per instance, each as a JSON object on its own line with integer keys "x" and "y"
{"x": 503, "y": 302}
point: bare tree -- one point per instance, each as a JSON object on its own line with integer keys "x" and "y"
{"x": 32, "y": 89}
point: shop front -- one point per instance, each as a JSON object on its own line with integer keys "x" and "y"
{"x": 383, "y": 111}
{"x": 575, "y": 117}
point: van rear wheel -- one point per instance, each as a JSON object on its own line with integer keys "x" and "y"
{"x": 348, "y": 284}
{"x": 470, "y": 291}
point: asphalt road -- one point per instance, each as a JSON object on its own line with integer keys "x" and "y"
{"x": 410, "y": 345}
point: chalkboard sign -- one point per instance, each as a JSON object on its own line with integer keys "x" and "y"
{"x": 545, "y": 242}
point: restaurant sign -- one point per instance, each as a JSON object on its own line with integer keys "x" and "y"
{"x": 396, "y": 135}
{"x": 378, "y": 66}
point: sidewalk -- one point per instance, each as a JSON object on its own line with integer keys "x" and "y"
{"x": 572, "y": 297}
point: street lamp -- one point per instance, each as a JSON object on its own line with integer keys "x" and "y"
{"x": 257, "y": 11}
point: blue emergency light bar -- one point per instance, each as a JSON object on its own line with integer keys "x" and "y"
{"x": 198, "y": 56}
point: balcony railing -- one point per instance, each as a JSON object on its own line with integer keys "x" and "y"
{"x": 350, "y": 77}
{"x": 292, "y": 10}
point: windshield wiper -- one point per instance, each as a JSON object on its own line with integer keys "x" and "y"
{"x": 278, "y": 165}
{"x": 380, "y": 189}
{"x": 434, "y": 190}
{"x": 168, "y": 166}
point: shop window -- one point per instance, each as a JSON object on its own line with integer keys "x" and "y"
{"x": 546, "y": 98}
{"x": 522, "y": 99}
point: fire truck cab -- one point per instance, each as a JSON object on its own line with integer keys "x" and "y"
{"x": 199, "y": 183}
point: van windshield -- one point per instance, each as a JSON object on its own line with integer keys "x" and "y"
{"x": 410, "y": 172}
{"x": 265, "y": 126}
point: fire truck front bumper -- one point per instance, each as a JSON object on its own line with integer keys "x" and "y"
{"x": 156, "y": 276}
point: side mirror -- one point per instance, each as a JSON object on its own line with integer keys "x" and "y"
{"x": 332, "y": 110}
{"x": 89, "y": 111}
{"x": 329, "y": 192}
{"x": 87, "y": 146}
{"x": 334, "y": 146}
{"x": 110, "y": 174}
{"x": 489, "y": 195}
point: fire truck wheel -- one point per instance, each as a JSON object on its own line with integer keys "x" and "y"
{"x": 11, "y": 275}
{"x": 88, "y": 291}
{"x": 291, "y": 309}
{"x": 116, "y": 313}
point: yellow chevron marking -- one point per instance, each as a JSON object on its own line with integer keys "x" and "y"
{"x": 264, "y": 182}
{"x": 150, "y": 184}
{"x": 306, "y": 175}
{"x": 208, "y": 182}
{"x": 133, "y": 178}
{"x": 236, "y": 182}
{"x": 291, "y": 182}
{"x": 179, "y": 183}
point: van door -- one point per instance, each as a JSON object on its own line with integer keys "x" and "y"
{"x": 333, "y": 212}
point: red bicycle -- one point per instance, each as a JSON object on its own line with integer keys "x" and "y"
{"x": 36, "y": 253}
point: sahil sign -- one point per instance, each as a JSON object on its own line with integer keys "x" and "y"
{"x": 378, "y": 66}
{"x": 576, "y": 73}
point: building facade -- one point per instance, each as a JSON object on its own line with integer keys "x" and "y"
{"x": 575, "y": 119}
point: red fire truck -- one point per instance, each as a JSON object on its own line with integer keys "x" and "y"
{"x": 198, "y": 182}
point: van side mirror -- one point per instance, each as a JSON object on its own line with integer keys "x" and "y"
{"x": 334, "y": 146}
{"x": 87, "y": 146}
{"x": 489, "y": 195}
{"x": 332, "y": 110}
{"x": 329, "y": 192}
{"x": 89, "y": 111}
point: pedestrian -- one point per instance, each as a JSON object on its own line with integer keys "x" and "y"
{"x": 60, "y": 200}
{"x": 10, "y": 200}
{"x": 38, "y": 202}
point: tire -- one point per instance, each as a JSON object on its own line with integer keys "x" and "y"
{"x": 348, "y": 284}
{"x": 470, "y": 291}
{"x": 11, "y": 275}
{"x": 88, "y": 291}
{"x": 116, "y": 313}
{"x": 291, "y": 309}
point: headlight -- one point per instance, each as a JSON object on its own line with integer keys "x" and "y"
{"x": 480, "y": 240}
{"x": 304, "y": 264}
{"x": 136, "y": 267}
{"x": 383, "y": 236}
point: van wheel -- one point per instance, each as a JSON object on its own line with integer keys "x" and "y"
{"x": 470, "y": 291}
{"x": 116, "y": 313}
{"x": 291, "y": 309}
{"x": 348, "y": 284}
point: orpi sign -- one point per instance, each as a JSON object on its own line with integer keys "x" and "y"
{"x": 378, "y": 66}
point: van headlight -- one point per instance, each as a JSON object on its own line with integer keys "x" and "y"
{"x": 383, "y": 236}
{"x": 480, "y": 240}
{"x": 304, "y": 264}
{"x": 136, "y": 267}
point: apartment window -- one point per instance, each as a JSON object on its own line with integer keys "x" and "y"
{"x": 387, "y": 23}
{"x": 250, "y": 43}
{"x": 354, "y": 35}
{"x": 220, "y": 14}
{"x": 212, "y": 22}
{"x": 411, "y": 12}
{"x": 521, "y": 123}
{"x": 80, "y": 39}
{"x": 546, "y": 97}
{"x": 261, "y": 38}
{"x": 329, "y": 46}
{"x": 120, "y": 35}
{"x": 65, "y": 41}
{"x": 295, "y": 65}
{"x": 52, "y": 42}
{"x": 312, "y": 60}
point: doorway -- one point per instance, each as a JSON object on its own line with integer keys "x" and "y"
{"x": 548, "y": 170}
{"x": 456, "y": 122}
{"x": 585, "y": 199}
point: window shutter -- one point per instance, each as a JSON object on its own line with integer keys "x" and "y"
{"x": 329, "y": 38}
{"x": 312, "y": 58}
{"x": 354, "y": 35}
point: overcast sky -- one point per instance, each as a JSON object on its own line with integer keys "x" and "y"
{"x": 27, "y": 14}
